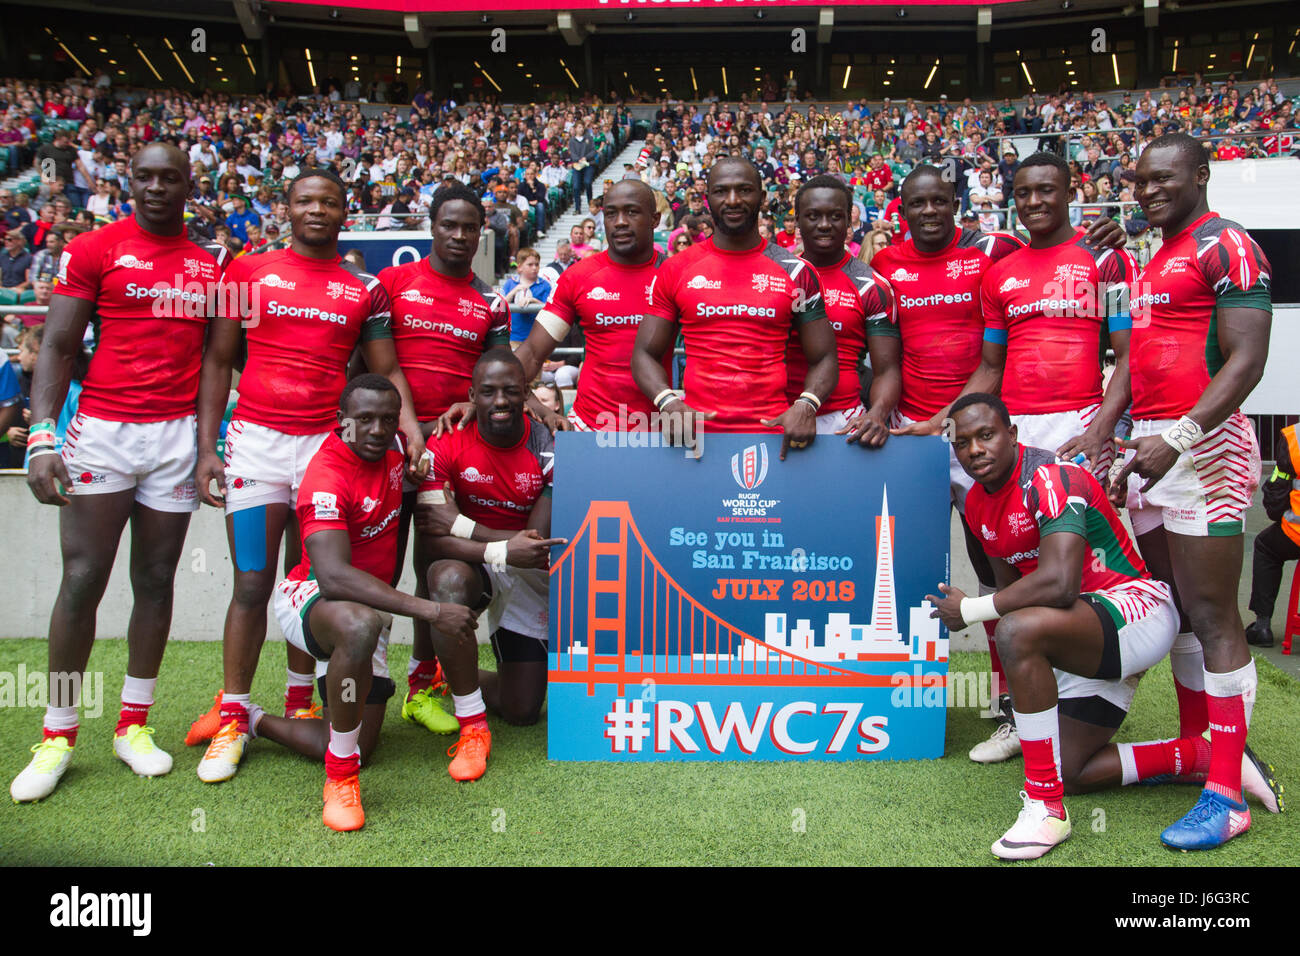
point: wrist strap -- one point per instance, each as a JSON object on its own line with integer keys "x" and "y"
{"x": 463, "y": 527}
{"x": 977, "y": 609}
{"x": 495, "y": 555}
{"x": 804, "y": 399}
{"x": 1183, "y": 434}
{"x": 812, "y": 400}
{"x": 434, "y": 496}
{"x": 41, "y": 450}
{"x": 663, "y": 398}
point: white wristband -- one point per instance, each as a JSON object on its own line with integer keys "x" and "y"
{"x": 1183, "y": 434}
{"x": 976, "y": 609}
{"x": 462, "y": 527}
{"x": 495, "y": 555}
{"x": 434, "y": 496}
{"x": 41, "y": 450}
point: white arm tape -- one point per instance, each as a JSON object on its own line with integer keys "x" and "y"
{"x": 555, "y": 326}
{"x": 495, "y": 555}
{"x": 462, "y": 527}
{"x": 1183, "y": 434}
{"x": 434, "y": 496}
{"x": 976, "y": 609}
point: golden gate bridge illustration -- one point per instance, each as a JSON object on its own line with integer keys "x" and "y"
{"x": 638, "y": 622}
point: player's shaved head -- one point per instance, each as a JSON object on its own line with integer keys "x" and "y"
{"x": 1188, "y": 149}
{"x": 497, "y": 355}
{"x": 971, "y": 399}
{"x": 924, "y": 173}
{"x": 164, "y": 153}
{"x": 632, "y": 190}
{"x": 731, "y": 164}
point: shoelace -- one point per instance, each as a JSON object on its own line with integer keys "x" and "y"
{"x": 1200, "y": 813}
{"x": 223, "y": 741}
{"x": 48, "y": 754}
{"x": 1003, "y": 731}
{"x": 473, "y": 739}
{"x": 311, "y": 713}
{"x": 347, "y": 790}
{"x": 139, "y": 739}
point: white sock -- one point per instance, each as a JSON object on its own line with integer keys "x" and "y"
{"x": 412, "y": 664}
{"x": 1188, "y": 661}
{"x": 60, "y": 718}
{"x": 294, "y": 679}
{"x": 138, "y": 690}
{"x": 1241, "y": 681}
{"x": 470, "y": 705}
{"x": 1043, "y": 725}
{"x": 345, "y": 743}
{"x": 237, "y": 699}
{"x": 1128, "y": 765}
{"x": 254, "y": 715}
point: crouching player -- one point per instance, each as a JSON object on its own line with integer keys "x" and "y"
{"x": 491, "y": 548}
{"x": 1079, "y": 620}
{"x": 333, "y": 604}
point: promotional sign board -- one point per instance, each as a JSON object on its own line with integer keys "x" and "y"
{"x": 739, "y": 607}
{"x": 384, "y": 249}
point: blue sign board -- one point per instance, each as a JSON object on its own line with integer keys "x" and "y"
{"x": 739, "y": 607}
{"x": 384, "y": 249}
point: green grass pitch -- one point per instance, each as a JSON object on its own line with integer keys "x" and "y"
{"x": 527, "y": 810}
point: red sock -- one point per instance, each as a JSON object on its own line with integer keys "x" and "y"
{"x": 70, "y": 734}
{"x": 473, "y": 719}
{"x": 340, "y": 768}
{"x": 236, "y": 711}
{"x": 1193, "y": 717}
{"x": 1042, "y": 782}
{"x": 422, "y": 678}
{"x": 995, "y": 662}
{"x": 131, "y": 714}
{"x": 296, "y": 698}
{"x": 1181, "y": 758}
{"x": 1227, "y": 717}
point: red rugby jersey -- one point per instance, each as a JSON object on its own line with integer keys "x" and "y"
{"x": 607, "y": 300}
{"x": 305, "y": 316}
{"x": 736, "y": 310}
{"x": 1050, "y": 306}
{"x": 1045, "y": 496}
{"x": 441, "y": 325}
{"x": 939, "y": 319}
{"x": 497, "y": 486}
{"x": 342, "y": 491}
{"x": 1211, "y": 264}
{"x": 153, "y": 296}
{"x": 859, "y": 303}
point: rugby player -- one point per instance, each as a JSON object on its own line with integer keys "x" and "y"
{"x": 736, "y": 298}
{"x": 1098, "y": 625}
{"x": 337, "y": 603}
{"x": 606, "y": 295}
{"x": 305, "y": 311}
{"x": 1048, "y": 310}
{"x": 486, "y": 509}
{"x": 860, "y": 309}
{"x": 1200, "y": 342}
{"x": 130, "y": 450}
{"x": 444, "y": 318}
{"x": 936, "y": 275}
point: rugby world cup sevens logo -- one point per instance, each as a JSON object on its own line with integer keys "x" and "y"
{"x": 749, "y": 467}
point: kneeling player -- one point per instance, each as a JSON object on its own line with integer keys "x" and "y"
{"x": 332, "y": 604}
{"x": 492, "y": 552}
{"x": 1074, "y": 598}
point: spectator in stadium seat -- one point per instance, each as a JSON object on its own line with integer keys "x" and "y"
{"x": 528, "y": 289}
{"x": 578, "y": 242}
{"x": 15, "y": 261}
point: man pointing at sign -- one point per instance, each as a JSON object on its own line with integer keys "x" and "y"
{"x": 736, "y": 299}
